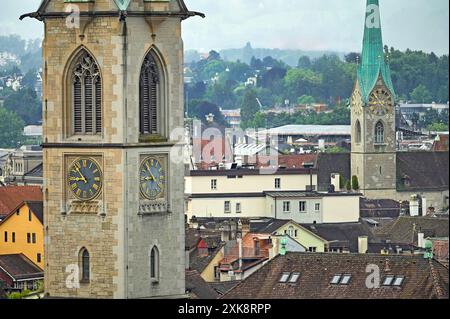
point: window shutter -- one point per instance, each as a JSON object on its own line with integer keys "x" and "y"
{"x": 98, "y": 105}
{"x": 145, "y": 108}
{"x": 153, "y": 107}
{"x": 149, "y": 99}
{"x": 78, "y": 127}
{"x": 88, "y": 98}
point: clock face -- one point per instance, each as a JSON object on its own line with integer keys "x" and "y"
{"x": 85, "y": 179}
{"x": 380, "y": 102}
{"x": 356, "y": 102}
{"x": 152, "y": 178}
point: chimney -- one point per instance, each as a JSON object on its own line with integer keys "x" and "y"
{"x": 239, "y": 240}
{"x": 421, "y": 240}
{"x": 335, "y": 181}
{"x": 210, "y": 118}
{"x": 363, "y": 244}
{"x": 414, "y": 206}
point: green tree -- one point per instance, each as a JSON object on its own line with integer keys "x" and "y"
{"x": 421, "y": 95}
{"x": 306, "y": 100}
{"x": 249, "y": 108}
{"x": 11, "y": 129}
{"x": 259, "y": 120}
{"x": 26, "y": 104}
{"x": 437, "y": 127}
{"x": 355, "y": 183}
{"x": 348, "y": 186}
{"x": 298, "y": 82}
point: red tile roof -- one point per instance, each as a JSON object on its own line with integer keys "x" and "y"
{"x": 423, "y": 279}
{"x": 19, "y": 267}
{"x": 288, "y": 161}
{"x": 13, "y": 196}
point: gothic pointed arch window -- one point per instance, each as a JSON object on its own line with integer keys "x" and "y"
{"x": 358, "y": 132}
{"x": 85, "y": 95}
{"x": 154, "y": 264}
{"x": 379, "y": 133}
{"x": 151, "y": 96}
{"x": 85, "y": 265}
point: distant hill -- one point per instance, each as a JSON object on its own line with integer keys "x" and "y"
{"x": 245, "y": 54}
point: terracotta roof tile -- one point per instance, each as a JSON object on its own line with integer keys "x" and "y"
{"x": 12, "y": 196}
{"x": 423, "y": 279}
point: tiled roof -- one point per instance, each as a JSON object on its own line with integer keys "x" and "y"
{"x": 198, "y": 288}
{"x": 38, "y": 209}
{"x": 267, "y": 226}
{"x": 200, "y": 262}
{"x": 342, "y": 235}
{"x": 20, "y": 267}
{"x": 36, "y": 172}
{"x": 401, "y": 230}
{"x": 12, "y": 196}
{"x": 223, "y": 287}
{"x": 332, "y": 163}
{"x": 423, "y": 171}
{"x": 423, "y": 279}
{"x": 380, "y": 208}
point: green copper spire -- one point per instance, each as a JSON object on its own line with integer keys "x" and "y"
{"x": 122, "y": 4}
{"x": 373, "y": 63}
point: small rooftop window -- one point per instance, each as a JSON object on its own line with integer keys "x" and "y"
{"x": 388, "y": 280}
{"x": 336, "y": 279}
{"x": 346, "y": 279}
{"x": 398, "y": 281}
{"x": 294, "y": 277}
{"x": 285, "y": 277}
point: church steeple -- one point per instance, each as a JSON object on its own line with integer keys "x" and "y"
{"x": 373, "y": 64}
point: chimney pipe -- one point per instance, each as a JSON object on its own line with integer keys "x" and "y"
{"x": 363, "y": 244}
{"x": 421, "y": 240}
{"x": 239, "y": 240}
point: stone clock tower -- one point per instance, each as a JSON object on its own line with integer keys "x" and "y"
{"x": 113, "y": 170}
{"x": 373, "y": 158}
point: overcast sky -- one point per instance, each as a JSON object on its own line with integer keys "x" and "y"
{"x": 296, "y": 24}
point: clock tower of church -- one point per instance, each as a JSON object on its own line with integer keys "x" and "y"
{"x": 113, "y": 166}
{"x": 373, "y": 158}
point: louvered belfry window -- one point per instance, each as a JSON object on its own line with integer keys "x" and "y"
{"x": 149, "y": 96}
{"x": 86, "y": 96}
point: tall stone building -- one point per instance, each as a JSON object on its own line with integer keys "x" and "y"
{"x": 113, "y": 174}
{"x": 373, "y": 158}
{"x": 382, "y": 172}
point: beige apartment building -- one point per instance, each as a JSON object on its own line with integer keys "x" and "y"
{"x": 283, "y": 195}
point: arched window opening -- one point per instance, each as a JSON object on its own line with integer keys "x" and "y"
{"x": 86, "y": 95}
{"x": 154, "y": 264}
{"x": 85, "y": 265}
{"x": 358, "y": 132}
{"x": 150, "y": 96}
{"x": 379, "y": 133}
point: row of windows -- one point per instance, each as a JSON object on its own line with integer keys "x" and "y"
{"x": 379, "y": 133}
{"x": 227, "y": 207}
{"x": 277, "y": 183}
{"x": 31, "y": 237}
{"x": 85, "y": 265}
{"x": 343, "y": 279}
{"x": 86, "y": 95}
{"x": 302, "y": 207}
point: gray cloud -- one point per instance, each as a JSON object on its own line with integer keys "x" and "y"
{"x": 297, "y": 24}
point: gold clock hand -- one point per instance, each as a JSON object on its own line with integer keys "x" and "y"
{"x": 82, "y": 176}
{"x": 152, "y": 175}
